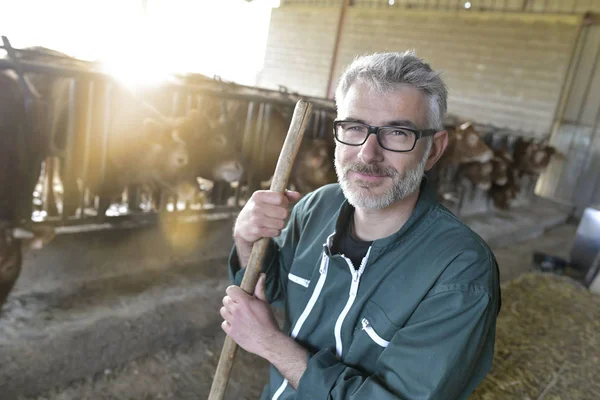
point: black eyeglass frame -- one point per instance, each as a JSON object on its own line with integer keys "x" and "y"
{"x": 371, "y": 129}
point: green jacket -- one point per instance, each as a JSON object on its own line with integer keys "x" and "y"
{"x": 417, "y": 320}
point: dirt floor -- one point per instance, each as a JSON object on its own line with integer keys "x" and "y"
{"x": 169, "y": 313}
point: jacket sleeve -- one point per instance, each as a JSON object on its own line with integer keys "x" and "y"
{"x": 443, "y": 352}
{"x": 278, "y": 258}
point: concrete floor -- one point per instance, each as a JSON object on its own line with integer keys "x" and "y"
{"x": 139, "y": 325}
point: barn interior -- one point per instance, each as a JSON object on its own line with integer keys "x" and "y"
{"x": 127, "y": 153}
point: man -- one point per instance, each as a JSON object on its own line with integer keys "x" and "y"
{"x": 387, "y": 295}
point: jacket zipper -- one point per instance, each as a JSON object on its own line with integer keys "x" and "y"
{"x": 337, "y": 331}
{"x": 366, "y": 326}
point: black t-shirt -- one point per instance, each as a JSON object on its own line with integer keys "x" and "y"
{"x": 350, "y": 246}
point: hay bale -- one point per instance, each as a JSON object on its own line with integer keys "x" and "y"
{"x": 547, "y": 341}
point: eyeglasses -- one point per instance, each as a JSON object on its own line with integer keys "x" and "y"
{"x": 393, "y": 138}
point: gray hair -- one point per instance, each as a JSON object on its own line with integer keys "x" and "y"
{"x": 387, "y": 71}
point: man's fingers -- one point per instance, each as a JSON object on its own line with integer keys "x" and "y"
{"x": 292, "y": 195}
{"x": 259, "y": 291}
{"x": 225, "y": 326}
{"x": 276, "y": 212}
{"x": 225, "y": 314}
{"x": 236, "y": 293}
{"x": 269, "y": 197}
{"x": 267, "y": 222}
{"x": 227, "y": 300}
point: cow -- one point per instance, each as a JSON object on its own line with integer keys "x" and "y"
{"x": 465, "y": 155}
{"x": 313, "y": 167}
{"x": 466, "y": 145}
{"x": 532, "y": 157}
{"x": 478, "y": 174}
{"x": 213, "y": 156}
{"x": 256, "y": 132}
{"x": 505, "y": 184}
{"x": 502, "y": 195}
{"x": 502, "y": 167}
{"x": 20, "y": 153}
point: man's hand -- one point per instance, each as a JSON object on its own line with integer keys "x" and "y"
{"x": 263, "y": 216}
{"x": 249, "y": 320}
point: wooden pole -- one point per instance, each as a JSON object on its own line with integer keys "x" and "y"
{"x": 278, "y": 184}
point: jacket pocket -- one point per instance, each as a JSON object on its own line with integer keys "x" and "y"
{"x": 297, "y": 290}
{"x": 372, "y": 334}
{"x": 366, "y": 326}
{"x": 300, "y": 281}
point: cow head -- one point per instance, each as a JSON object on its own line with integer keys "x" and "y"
{"x": 468, "y": 145}
{"x": 215, "y": 156}
{"x": 168, "y": 155}
{"x": 315, "y": 154}
{"x": 532, "y": 157}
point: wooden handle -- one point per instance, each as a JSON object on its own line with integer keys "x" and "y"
{"x": 278, "y": 184}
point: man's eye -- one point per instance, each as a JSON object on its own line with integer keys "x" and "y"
{"x": 399, "y": 133}
{"x": 355, "y": 128}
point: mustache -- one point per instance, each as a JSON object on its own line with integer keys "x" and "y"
{"x": 370, "y": 169}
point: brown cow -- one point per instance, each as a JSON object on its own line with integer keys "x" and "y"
{"x": 313, "y": 167}
{"x": 479, "y": 174}
{"x": 502, "y": 163}
{"x": 505, "y": 185}
{"x": 20, "y": 154}
{"x": 532, "y": 157}
{"x": 140, "y": 148}
{"x": 466, "y": 145}
{"x": 465, "y": 154}
{"x": 502, "y": 195}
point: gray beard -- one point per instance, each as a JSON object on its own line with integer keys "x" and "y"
{"x": 358, "y": 194}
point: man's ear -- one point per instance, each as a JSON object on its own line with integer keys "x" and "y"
{"x": 438, "y": 146}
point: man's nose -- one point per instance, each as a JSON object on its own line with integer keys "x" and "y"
{"x": 371, "y": 151}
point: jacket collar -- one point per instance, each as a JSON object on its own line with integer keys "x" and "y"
{"x": 420, "y": 216}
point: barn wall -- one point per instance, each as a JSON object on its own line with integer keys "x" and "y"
{"x": 299, "y": 49}
{"x": 504, "y": 69}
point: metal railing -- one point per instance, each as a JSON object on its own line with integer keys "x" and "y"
{"x": 185, "y": 96}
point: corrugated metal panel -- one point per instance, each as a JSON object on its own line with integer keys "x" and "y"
{"x": 535, "y": 6}
{"x": 576, "y": 178}
{"x": 549, "y": 183}
{"x": 576, "y": 156}
{"x": 300, "y": 49}
{"x": 587, "y": 191}
{"x": 581, "y": 81}
{"x": 501, "y": 71}
{"x": 589, "y": 113}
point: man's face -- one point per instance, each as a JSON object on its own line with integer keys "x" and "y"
{"x": 370, "y": 176}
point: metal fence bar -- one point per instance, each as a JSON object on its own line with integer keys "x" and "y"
{"x": 106, "y": 123}
{"x": 68, "y": 166}
{"x": 87, "y": 146}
